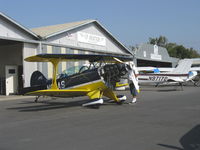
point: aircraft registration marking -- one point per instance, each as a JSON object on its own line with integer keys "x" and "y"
{"x": 158, "y": 78}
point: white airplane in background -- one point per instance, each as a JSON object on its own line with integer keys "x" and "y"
{"x": 162, "y": 70}
{"x": 178, "y": 75}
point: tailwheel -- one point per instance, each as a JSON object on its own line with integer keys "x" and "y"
{"x": 94, "y": 103}
{"x": 37, "y": 98}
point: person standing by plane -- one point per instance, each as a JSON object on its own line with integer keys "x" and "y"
{"x": 133, "y": 81}
{"x": 132, "y": 74}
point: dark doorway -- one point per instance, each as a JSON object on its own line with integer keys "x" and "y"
{"x": 145, "y": 63}
{"x": 10, "y": 54}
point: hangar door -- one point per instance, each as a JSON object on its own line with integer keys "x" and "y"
{"x": 11, "y": 79}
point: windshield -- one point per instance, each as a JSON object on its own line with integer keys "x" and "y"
{"x": 73, "y": 70}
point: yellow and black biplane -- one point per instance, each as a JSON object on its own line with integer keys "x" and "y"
{"x": 94, "y": 82}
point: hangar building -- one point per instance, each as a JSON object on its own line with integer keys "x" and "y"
{"x": 153, "y": 55}
{"x": 17, "y": 42}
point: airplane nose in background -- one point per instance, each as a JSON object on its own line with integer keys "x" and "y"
{"x": 191, "y": 73}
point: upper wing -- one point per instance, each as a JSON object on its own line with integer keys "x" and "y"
{"x": 78, "y": 57}
{"x": 60, "y": 92}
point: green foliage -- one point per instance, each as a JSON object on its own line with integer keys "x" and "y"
{"x": 174, "y": 50}
{"x": 161, "y": 41}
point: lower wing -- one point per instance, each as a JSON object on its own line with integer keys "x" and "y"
{"x": 60, "y": 92}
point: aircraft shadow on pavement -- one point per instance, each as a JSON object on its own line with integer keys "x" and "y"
{"x": 169, "y": 90}
{"x": 189, "y": 141}
{"x": 162, "y": 89}
{"x": 43, "y": 105}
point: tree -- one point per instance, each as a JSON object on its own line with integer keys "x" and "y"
{"x": 161, "y": 41}
{"x": 179, "y": 51}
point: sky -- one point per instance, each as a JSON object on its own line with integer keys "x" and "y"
{"x": 131, "y": 22}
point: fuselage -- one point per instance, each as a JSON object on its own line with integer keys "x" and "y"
{"x": 151, "y": 77}
{"x": 107, "y": 76}
{"x": 166, "y": 77}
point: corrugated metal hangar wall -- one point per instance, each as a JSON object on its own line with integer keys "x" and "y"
{"x": 77, "y": 38}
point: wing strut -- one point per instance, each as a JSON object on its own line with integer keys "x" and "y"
{"x": 55, "y": 63}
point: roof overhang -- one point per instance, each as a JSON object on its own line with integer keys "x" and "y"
{"x": 19, "y": 25}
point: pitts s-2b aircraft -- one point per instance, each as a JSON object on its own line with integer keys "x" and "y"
{"x": 94, "y": 82}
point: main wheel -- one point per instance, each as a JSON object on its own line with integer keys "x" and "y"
{"x": 122, "y": 99}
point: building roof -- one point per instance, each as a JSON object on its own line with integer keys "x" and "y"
{"x": 46, "y": 32}
{"x": 145, "y": 51}
{"x": 52, "y": 30}
{"x": 19, "y": 25}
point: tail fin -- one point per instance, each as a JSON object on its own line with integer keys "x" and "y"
{"x": 183, "y": 67}
{"x": 38, "y": 79}
{"x": 38, "y": 82}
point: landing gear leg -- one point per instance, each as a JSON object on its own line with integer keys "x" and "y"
{"x": 36, "y": 99}
{"x": 197, "y": 83}
{"x": 181, "y": 84}
{"x": 122, "y": 99}
{"x": 157, "y": 85}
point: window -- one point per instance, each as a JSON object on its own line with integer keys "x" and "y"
{"x": 11, "y": 71}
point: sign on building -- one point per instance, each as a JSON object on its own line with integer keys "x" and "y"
{"x": 91, "y": 39}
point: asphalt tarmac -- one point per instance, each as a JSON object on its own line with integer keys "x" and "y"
{"x": 162, "y": 119}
